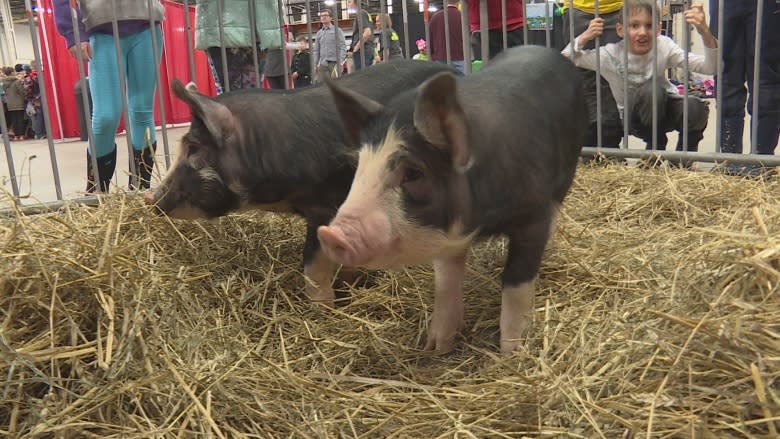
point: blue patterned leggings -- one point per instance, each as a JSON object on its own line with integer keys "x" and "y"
{"x": 139, "y": 70}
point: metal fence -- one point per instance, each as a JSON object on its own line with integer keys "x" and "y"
{"x": 543, "y": 25}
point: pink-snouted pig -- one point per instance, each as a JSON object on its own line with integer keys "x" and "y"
{"x": 456, "y": 159}
{"x": 279, "y": 151}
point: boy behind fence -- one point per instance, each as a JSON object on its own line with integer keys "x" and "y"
{"x": 639, "y": 40}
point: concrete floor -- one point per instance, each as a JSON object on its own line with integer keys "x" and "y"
{"x": 34, "y": 174}
{"x": 33, "y": 164}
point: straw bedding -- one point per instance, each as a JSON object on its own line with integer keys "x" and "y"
{"x": 656, "y": 316}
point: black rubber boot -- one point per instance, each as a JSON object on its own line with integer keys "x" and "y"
{"x": 144, "y": 163}
{"x": 106, "y": 166}
{"x": 731, "y": 142}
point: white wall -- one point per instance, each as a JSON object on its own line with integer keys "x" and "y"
{"x": 24, "y": 47}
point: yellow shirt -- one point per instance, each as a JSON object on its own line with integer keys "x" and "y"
{"x": 589, "y": 6}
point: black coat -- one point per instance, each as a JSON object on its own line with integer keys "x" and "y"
{"x": 301, "y": 63}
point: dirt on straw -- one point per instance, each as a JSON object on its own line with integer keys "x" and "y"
{"x": 657, "y": 315}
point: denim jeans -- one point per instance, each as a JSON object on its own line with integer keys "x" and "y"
{"x": 737, "y": 48}
{"x": 363, "y": 58}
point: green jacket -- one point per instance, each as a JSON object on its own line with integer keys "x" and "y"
{"x": 14, "y": 93}
{"x": 235, "y": 24}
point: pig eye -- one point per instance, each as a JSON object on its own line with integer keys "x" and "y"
{"x": 411, "y": 175}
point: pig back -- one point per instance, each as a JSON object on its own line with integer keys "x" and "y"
{"x": 294, "y": 141}
{"x": 388, "y": 79}
{"x": 527, "y": 120}
{"x": 305, "y": 122}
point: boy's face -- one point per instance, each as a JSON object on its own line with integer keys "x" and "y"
{"x": 639, "y": 32}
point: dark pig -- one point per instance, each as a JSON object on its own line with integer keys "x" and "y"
{"x": 276, "y": 150}
{"x": 457, "y": 159}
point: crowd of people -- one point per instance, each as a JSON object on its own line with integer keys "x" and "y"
{"x": 258, "y": 55}
{"x": 21, "y": 96}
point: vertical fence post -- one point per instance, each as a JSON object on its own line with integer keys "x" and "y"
{"x": 44, "y": 100}
{"x": 85, "y": 94}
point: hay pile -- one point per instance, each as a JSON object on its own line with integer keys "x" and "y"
{"x": 658, "y": 315}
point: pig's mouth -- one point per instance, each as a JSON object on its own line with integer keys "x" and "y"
{"x": 182, "y": 210}
{"x": 151, "y": 200}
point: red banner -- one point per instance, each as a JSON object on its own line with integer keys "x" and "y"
{"x": 61, "y": 72}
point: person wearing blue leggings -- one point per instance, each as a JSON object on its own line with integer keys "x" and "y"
{"x": 97, "y": 46}
{"x": 738, "y": 48}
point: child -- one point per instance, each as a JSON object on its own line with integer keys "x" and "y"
{"x": 639, "y": 40}
{"x": 422, "y": 50}
{"x": 300, "y": 70}
{"x": 14, "y": 95}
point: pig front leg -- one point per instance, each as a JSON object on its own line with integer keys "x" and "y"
{"x": 319, "y": 270}
{"x": 526, "y": 247}
{"x": 447, "y": 318}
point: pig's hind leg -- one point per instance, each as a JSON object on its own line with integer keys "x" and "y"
{"x": 447, "y": 318}
{"x": 526, "y": 247}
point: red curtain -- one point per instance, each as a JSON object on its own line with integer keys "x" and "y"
{"x": 62, "y": 72}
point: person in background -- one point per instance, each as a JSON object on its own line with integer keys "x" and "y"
{"x": 737, "y": 58}
{"x": 362, "y": 46}
{"x": 300, "y": 69}
{"x": 274, "y": 68}
{"x": 422, "y": 50}
{"x": 514, "y": 26}
{"x": 237, "y": 39}
{"x": 645, "y": 78}
{"x": 385, "y": 24}
{"x": 14, "y": 97}
{"x": 581, "y": 15}
{"x": 439, "y": 36}
{"x": 96, "y": 46}
{"x": 33, "y": 96}
{"x": 330, "y": 48}
{"x": 3, "y": 75}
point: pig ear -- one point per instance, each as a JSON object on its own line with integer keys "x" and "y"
{"x": 217, "y": 118}
{"x": 440, "y": 119}
{"x": 354, "y": 109}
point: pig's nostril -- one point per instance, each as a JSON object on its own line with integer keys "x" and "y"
{"x": 333, "y": 241}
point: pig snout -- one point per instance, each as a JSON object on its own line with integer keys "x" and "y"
{"x": 151, "y": 199}
{"x": 336, "y": 245}
{"x": 354, "y": 241}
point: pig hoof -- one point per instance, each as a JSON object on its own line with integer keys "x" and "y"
{"x": 440, "y": 345}
{"x": 511, "y": 345}
{"x": 321, "y": 297}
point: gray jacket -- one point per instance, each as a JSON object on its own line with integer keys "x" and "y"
{"x": 97, "y": 12}
{"x": 329, "y": 45}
